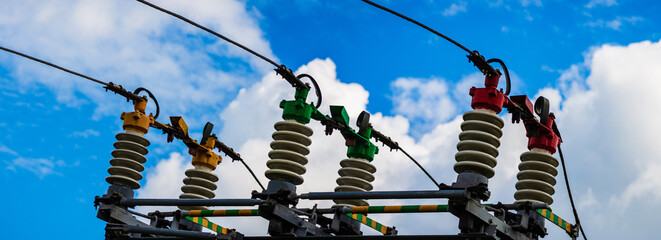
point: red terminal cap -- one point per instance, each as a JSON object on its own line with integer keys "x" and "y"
{"x": 539, "y": 135}
{"x": 488, "y": 97}
{"x": 546, "y": 139}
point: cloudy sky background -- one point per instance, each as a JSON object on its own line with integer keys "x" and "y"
{"x": 597, "y": 61}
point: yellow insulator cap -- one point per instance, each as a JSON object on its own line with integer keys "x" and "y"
{"x": 136, "y": 121}
{"x": 205, "y": 157}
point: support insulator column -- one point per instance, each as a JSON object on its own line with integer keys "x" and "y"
{"x": 537, "y": 172}
{"x": 200, "y": 181}
{"x": 130, "y": 148}
{"x": 290, "y": 148}
{"x": 128, "y": 157}
{"x": 479, "y": 142}
{"x": 356, "y": 175}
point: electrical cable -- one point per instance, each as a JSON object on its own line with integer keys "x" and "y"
{"x": 286, "y": 73}
{"x": 209, "y": 31}
{"x": 508, "y": 85}
{"x": 421, "y": 168}
{"x": 55, "y": 66}
{"x": 417, "y": 23}
{"x": 571, "y": 198}
{"x": 158, "y": 108}
{"x": 316, "y": 87}
{"x": 253, "y": 174}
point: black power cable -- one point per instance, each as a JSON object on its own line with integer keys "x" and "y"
{"x": 571, "y": 198}
{"x": 387, "y": 141}
{"x": 286, "y": 73}
{"x": 109, "y": 86}
{"x": 474, "y": 55}
{"x": 419, "y": 24}
{"x": 253, "y": 174}
{"x": 421, "y": 168}
{"x": 209, "y": 31}
{"x": 158, "y": 108}
{"x": 508, "y": 85}
{"x": 316, "y": 87}
{"x": 55, "y": 66}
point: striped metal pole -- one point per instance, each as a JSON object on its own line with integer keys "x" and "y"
{"x": 370, "y": 223}
{"x": 219, "y": 213}
{"x": 558, "y": 221}
{"x": 208, "y": 224}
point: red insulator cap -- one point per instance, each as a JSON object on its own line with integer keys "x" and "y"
{"x": 488, "y": 97}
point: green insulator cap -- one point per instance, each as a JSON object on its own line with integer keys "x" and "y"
{"x": 297, "y": 109}
{"x": 362, "y": 149}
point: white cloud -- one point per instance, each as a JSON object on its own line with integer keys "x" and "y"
{"x": 423, "y": 99}
{"x": 429, "y": 102}
{"x": 609, "y": 129}
{"x": 595, "y": 3}
{"x": 5, "y": 149}
{"x": 85, "y": 134}
{"x": 526, "y": 3}
{"x": 616, "y": 23}
{"x": 39, "y": 166}
{"x": 455, "y": 8}
{"x": 134, "y": 45}
{"x": 164, "y": 180}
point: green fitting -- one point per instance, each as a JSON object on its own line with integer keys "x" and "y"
{"x": 362, "y": 147}
{"x": 297, "y": 109}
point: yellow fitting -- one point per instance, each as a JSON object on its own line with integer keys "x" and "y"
{"x": 140, "y": 106}
{"x": 204, "y": 155}
{"x": 179, "y": 123}
{"x": 137, "y": 121}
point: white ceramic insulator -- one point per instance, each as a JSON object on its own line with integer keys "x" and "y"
{"x": 199, "y": 183}
{"x": 128, "y": 157}
{"x": 290, "y": 146}
{"x": 537, "y": 172}
{"x": 356, "y": 175}
{"x": 479, "y": 142}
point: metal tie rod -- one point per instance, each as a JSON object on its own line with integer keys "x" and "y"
{"x": 459, "y": 193}
{"x": 190, "y": 202}
{"x": 160, "y": 231}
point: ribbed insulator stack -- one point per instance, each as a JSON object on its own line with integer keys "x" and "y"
{"x": 355, "y": 176}
{"x": 129, "y": 155}
{"x": 200, "y": 182}
{"x": 290, "y": 146}
{"x": 479, "y": 142}
{"x": 537, "y": 172}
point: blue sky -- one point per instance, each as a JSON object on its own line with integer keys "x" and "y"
{"x": 597, "y": 61}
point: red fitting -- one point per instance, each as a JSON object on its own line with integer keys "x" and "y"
{"x": 488, "y": 97}
{"x": 546, "y": 138}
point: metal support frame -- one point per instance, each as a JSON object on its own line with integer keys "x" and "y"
{"x": 189, "y": 202}
{"x": 476, "y": 221}
{"x": 450, "y": 194}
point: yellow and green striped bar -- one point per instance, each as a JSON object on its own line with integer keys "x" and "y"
{"x": 555, "y": 219}
{"x": 369, "y": 222}
{"x": 399, "y": 209}
{"x": 229, "y": 212}
{"x": 207, "y": 224}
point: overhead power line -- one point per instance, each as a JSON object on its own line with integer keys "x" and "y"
{"x": 419, "y": 24}
{"x": 55, "y": 66}
{"x": 210, "y": 31}
{"x": 571, "y": 198}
